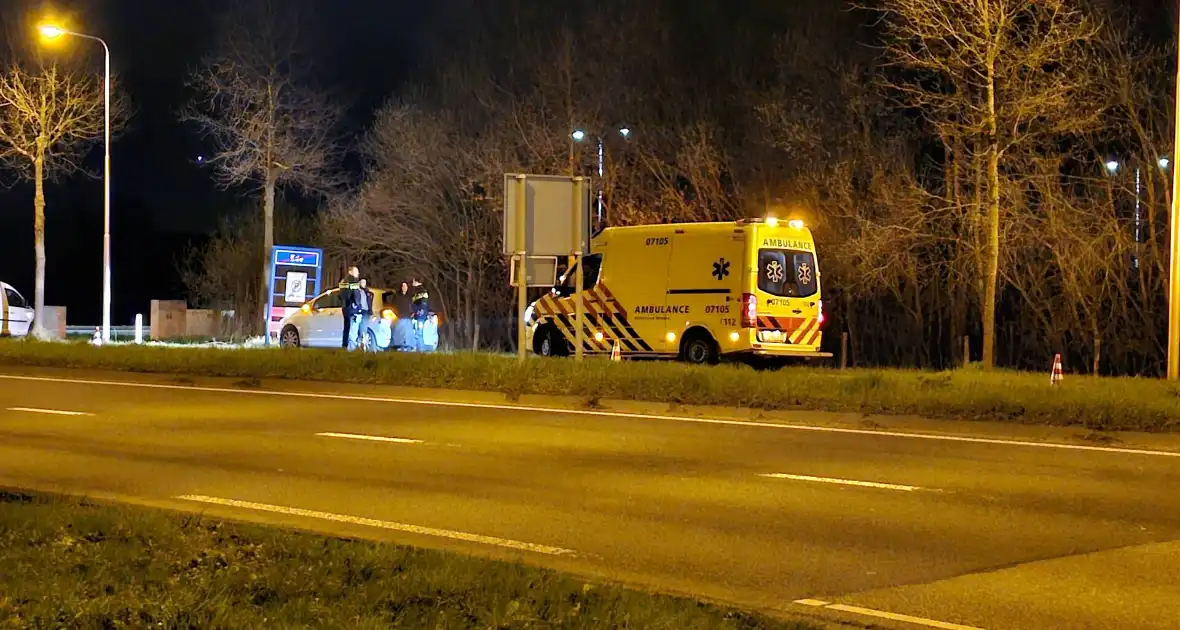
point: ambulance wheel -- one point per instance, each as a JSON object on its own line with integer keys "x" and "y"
{"x": 698, "y": 348}
{"x": 550, "y": 343}
{"x": 289, "y": 338}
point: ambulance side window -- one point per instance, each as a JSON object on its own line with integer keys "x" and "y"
{"x": 591, "y": 265}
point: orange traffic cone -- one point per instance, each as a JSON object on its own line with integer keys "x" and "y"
{"x": 1056, "y": 375}
{"x": 616, "y": 353}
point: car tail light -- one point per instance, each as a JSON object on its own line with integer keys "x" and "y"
{"x": 823, "y": 319}
{"x": 749, "y": 310}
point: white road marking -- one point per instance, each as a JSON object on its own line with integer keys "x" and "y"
{"x": 880, "y": 614}
{"x": 843, "y": 482}
{"x": 370, "y": 438}
{"x": 56, "y": 412}
{"x": 603, "y": 414}
{"x": 370, "y": 522}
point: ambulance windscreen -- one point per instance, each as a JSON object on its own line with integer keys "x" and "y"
{"x": 787, "y": 273}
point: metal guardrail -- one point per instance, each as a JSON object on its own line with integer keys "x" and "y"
{"x": 116, "y": 331}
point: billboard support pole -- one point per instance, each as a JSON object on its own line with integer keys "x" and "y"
{"x": 270, "y": 298}
{"x": 579, "y": 300}
{"x": 522, "y": 272}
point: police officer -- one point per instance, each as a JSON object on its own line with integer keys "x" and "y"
{"x": 421, "y": 310}
{"x": 348, "y": 289}
{"x": 420, "y": 301}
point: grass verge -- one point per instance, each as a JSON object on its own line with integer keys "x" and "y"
{"x": 69, "y": 563}
{"x": 1107, "y": 404}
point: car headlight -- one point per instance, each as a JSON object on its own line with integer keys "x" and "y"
{"x": 528, "y": 314}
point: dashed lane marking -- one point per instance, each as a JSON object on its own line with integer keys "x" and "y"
{"x": 881, "y": 614}
{"x": 843, "y": 482}
{"x": 369, "y": 438}
{"x": 55, "y": 412}
{"x": 371, "y": 522}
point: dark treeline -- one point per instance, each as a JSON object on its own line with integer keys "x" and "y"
{"x": 949, "y": 156}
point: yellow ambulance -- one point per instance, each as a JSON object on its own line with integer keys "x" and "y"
{"x": 698, "y": 292}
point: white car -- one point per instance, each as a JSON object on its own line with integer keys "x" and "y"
{"x": 320, "y": 322}
{"x": 16, "y": 314}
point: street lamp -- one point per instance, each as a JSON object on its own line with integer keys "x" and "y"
{"x": 579, "y": 135}
{"x": 1164, "y": 162}
{"x": 1174, "y": 247}
{"x": 49, "y": 32}
{"x": 1112, "y": 166}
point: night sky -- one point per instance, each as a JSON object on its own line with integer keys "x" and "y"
{"x": 161, "y": 198}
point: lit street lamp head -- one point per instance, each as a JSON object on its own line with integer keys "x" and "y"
{"x": 48, "y": 31}
{"x": 1112, "y": 166}
{"x": 625, "y": 131}
{"x": 1164, "y": 162}
{"x": 578, "y": 135}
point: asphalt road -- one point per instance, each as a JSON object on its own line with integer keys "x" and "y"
{"x": 858, "y": 526}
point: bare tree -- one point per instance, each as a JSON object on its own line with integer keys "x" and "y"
{"x": 1000, "y": 72}
{"x": 49, "y": 117}
{"x": 270, "y": 128}
{"x": 426, "y": 208}
{"x": 221, "y": 272}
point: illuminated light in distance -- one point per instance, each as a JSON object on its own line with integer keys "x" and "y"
{"x": 49, "y": 31}
{"x": 578, "y": 135}
{"x": 1112, "y": 166}
{"x": 1164, "y": 162}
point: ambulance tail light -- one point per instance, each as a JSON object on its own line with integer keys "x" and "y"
{"x": 823, "y": 318}
{"x": 749, "y": 310}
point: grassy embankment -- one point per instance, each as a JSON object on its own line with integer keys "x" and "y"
{"x": 68, "y": 563}
{"x": 1097, "y": 404}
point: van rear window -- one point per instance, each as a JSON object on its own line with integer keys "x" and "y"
{"x": 787, "y": 273}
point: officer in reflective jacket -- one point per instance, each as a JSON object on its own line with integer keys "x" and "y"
{"x": 348, "y": 307}
{"x": 421, "y": 309}
{"x": 420, "y": 301}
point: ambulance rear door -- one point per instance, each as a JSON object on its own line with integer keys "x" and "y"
{"x": 786, "y": 286}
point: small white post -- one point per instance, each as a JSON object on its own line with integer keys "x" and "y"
{"x": 139, "y": 328}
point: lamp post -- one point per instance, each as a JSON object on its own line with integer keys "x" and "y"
{"x": 1174, "y": 246}
{"x": 53, "y": 32}
{"x": 579, "y": 135}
